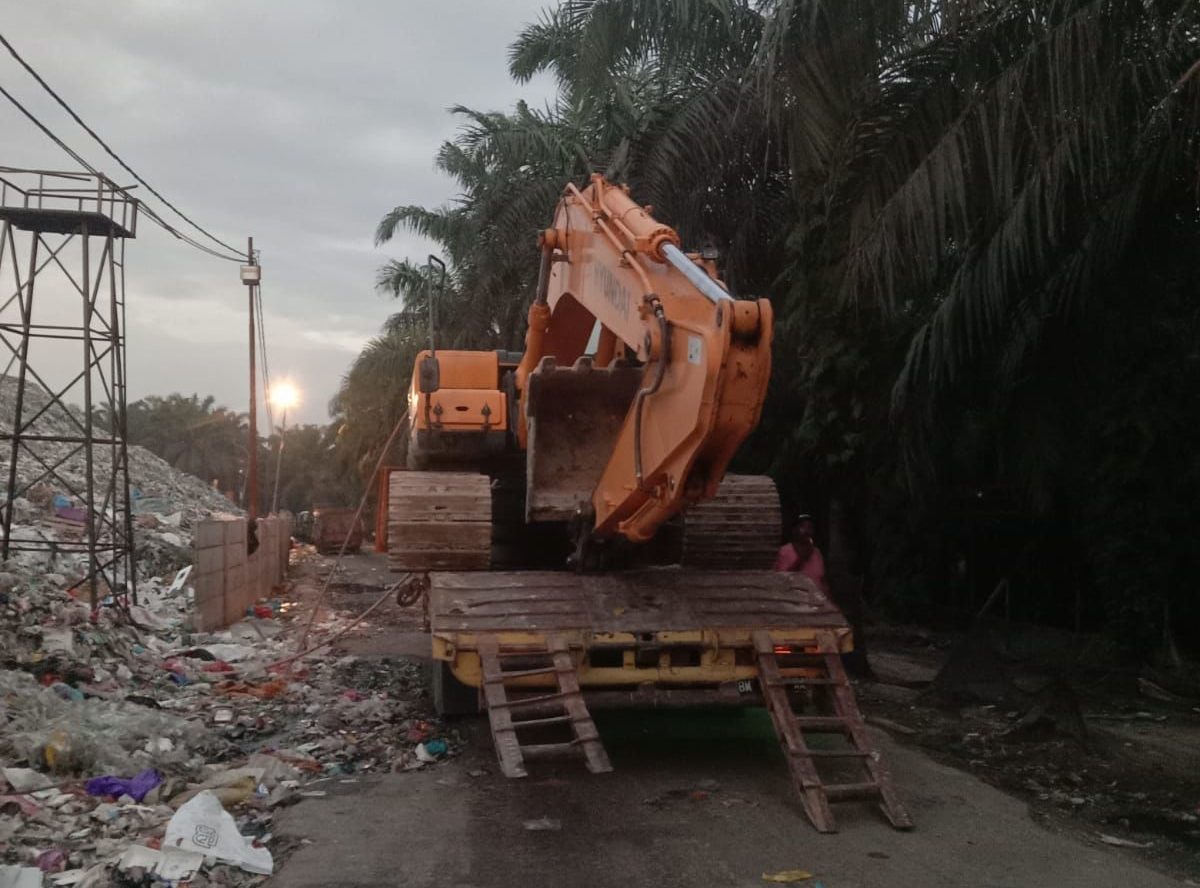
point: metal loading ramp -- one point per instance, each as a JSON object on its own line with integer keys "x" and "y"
{"x": 545, "y": 646}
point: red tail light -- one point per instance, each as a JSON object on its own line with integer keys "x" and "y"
{"x": 783, "y": 649}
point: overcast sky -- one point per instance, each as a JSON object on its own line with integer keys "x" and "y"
{"x": 300, "y": 122}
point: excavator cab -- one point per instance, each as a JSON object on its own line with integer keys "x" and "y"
{"x": 458, "y": 415}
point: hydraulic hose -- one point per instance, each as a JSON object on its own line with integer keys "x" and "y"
{"x": 644, "y": 393}
{"x": 543, "y": 282}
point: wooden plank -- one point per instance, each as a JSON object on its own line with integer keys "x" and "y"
{"x": 504, "y": 736}
{"x": 581, "y": 720}
{"x": 846, "y": 706}
{"x": 439, "y": 521}
{"x": 639, "y": 601}
{"x": 805, "y": 779}
{"x": 463, "y": 505}
{"x": 399, "y": 560}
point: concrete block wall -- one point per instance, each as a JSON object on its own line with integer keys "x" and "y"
{"x": 225, "y": 578}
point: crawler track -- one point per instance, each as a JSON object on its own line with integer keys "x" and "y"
{"x": 738, "y": 529}
{"x": 439, "y": 521}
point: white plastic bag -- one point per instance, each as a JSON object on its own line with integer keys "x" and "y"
{"x": 202, "y": 825}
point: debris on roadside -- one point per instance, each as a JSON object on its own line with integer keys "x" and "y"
{"x": 1111, "y": 748}
{"x": 788, "y": 876}
{"x": 1117, "y": 842}
{"x": 118, "y": 722}
{"x": 203, "y": 826}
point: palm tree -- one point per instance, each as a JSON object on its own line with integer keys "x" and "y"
{"x": 193, "y": 435}
{"x": 373, "y": 397}
{"x": 950, "y": 203}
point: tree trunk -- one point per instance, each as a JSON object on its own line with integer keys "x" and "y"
{"x": 845, "y": 588}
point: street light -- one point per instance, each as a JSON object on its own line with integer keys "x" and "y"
{"x": 283, "y": 394}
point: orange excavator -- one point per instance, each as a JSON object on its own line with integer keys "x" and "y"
{"x": 568, "y": 512}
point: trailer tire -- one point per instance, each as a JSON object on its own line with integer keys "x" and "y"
{"x": 451, "y": 696}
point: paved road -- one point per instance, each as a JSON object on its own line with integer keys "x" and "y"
{"x": 639, "y": 826}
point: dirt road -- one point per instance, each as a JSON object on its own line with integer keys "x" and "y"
{"x": 696, "y": 800}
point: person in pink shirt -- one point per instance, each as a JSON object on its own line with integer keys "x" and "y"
{"x": 801, "y": 555}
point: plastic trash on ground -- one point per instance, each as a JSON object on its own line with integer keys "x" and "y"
{"x": 20, "y": 877}
{"x": 93, "y": 735}
{"x": 25, "y": 779}
{"x": 204, "y": 827}
{"x": 788, "y": 876}
{"x": 170, "y": 864}
{"x": 135, "y": 787}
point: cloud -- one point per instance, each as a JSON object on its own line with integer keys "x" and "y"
{"x": 300, "y": 123}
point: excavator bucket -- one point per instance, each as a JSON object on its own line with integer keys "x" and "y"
{"x": 574, "y": 416}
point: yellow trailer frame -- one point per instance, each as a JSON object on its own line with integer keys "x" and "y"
{"x": 667, "y": 627}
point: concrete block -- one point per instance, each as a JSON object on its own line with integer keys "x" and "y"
{"x": 210, "y": 587}
{"x": 209, "y": 533}
{"x": 211, "y": 560}
{"x": 235, "y": 553}
{"x": 210, "y": 615}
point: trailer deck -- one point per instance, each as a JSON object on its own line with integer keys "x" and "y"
{"x": 545, "y": 648}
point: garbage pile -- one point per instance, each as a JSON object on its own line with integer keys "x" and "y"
{"x": 150, "y": 754}
{"x": 166, "y": 503}
{"x": 136, "y": 751}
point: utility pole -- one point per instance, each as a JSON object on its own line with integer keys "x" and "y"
{"x": 251, "y": 276}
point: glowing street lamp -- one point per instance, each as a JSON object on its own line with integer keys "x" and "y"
{"x": 283, "y": 394}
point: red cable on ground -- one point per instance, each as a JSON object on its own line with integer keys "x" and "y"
{"x": 362, "y": 504}
{"x": 316, "y": 647}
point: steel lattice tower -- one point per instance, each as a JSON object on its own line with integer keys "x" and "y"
{"x": 66, "y": 336}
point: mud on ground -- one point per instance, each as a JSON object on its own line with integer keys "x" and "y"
{"x": 1091, "y": 743}
{"x": 1056, "y": 720}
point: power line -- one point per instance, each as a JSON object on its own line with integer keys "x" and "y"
{"x": 45, "y": 129}
{"x": 78, "y": 158}
{"x": 190, "y": 241}
{"x": 24, "y": 64}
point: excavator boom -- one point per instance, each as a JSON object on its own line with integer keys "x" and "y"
{"x": 669, "y": 369}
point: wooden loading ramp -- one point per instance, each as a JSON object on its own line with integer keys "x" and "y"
{"x": 547, "y": 647}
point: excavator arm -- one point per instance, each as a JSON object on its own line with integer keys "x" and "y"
{"x": 641, "y": 374}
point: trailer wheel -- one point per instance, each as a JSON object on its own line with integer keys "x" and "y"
{"x": 451, "y": 696}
